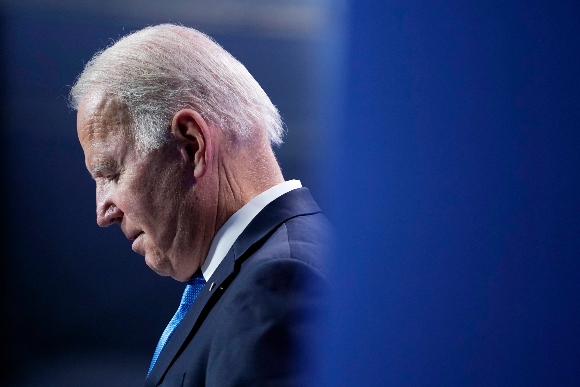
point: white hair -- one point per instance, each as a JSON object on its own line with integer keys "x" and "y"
{"x": 159, "y": 70}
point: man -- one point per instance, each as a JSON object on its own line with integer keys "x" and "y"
{"x": 177, "y": 136}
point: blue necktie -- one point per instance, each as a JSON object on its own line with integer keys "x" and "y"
{"x": 190, "y": 293}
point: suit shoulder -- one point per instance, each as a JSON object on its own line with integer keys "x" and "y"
{"x": 306, "y": 239}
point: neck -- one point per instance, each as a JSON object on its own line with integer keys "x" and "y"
{"x": 235, "y": 176}
{"x": 243, "y": 175}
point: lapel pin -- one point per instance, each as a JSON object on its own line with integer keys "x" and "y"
{"x": 211, "y": 286}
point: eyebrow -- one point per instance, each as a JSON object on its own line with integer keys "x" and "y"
{"x": 104, "y": 166}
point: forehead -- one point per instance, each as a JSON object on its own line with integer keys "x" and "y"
{"x": 100, "y": 118}
{"x": 103, "y": 130}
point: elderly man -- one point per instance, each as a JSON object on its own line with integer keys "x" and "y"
{"x": 177, "y": 136}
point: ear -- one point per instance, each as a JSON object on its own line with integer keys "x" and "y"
{"x": 194, "y": 138}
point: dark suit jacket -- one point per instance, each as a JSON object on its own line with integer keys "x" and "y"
{"x": 256, "y": 320}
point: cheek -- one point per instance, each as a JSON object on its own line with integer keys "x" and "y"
{"x": 156, "y": 192}
{"x": 138, "y": 201}
{"x": 166, "y": 188}
{"x": 149, "y": 199}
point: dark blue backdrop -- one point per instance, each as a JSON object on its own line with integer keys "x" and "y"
{"x": 457, "y": 196}
{"x": 452, "y": 178}
{"x": 76, "y": 301}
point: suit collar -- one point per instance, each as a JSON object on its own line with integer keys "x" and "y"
{"x": 238, "y": 222}
{"x": 294, "y": 203}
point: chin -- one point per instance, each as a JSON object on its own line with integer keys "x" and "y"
{"x": 158, "y": 265}
{"x": 164, "y": 266}
{"x": 181, "y": 278}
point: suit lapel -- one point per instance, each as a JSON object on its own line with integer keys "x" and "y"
{"x": 294, "y": 203}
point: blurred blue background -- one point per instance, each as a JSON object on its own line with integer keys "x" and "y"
{"x": 441, "y": 138}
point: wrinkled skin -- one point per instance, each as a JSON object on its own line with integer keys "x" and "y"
{"x": 150, "y": 196}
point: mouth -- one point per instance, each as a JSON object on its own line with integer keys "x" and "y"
{"x": 134, "y": 236}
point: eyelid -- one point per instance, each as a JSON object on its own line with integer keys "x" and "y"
{"x": 107, "y": 170}
{"x": 107, "y": 176}
{"x": 112, "y": 177}
{"x": 96, "y": 175}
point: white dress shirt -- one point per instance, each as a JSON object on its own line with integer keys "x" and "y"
{"x": 235, "y": 225}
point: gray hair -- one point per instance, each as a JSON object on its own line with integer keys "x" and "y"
{"x": 159, "y": 70}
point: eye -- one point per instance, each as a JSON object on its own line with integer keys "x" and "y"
{"x": 112, "y": 177}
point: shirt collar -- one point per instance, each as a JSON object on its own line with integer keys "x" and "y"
{"x": 235, "y": 225}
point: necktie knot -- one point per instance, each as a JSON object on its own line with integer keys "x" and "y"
{"x": 192, "y": 290}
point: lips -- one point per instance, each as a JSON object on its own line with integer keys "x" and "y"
{"x": 134, "y": 236}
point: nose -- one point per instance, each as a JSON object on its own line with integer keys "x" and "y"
{"x": 107, "y": 212}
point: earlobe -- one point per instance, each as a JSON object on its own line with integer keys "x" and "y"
{"x": 193, "y": 136}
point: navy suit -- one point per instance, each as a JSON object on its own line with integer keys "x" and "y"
{"x": 256, "y": 320}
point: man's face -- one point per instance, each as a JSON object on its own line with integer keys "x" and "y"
{"x": 145, "y": 194}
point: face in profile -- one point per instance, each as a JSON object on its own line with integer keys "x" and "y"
{"x": 146, "y": 194}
